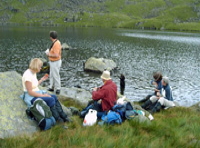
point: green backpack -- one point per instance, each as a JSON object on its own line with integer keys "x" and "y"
{"x": 42, "y": 114}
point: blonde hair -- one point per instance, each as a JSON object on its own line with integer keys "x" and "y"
{"x": 35, "y": 64}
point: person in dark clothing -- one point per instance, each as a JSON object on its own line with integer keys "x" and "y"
{"x": 122, "y": 84}
{"x": 157, "y": 86}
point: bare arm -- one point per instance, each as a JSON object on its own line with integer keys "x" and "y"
{"x": 28, "y": 85}
{"x": 43, "y": 79}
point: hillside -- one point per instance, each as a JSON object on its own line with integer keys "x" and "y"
{"x": 137, "y": 14}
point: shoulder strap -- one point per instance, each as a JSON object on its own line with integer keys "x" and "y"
{"x": 52, "y": 45}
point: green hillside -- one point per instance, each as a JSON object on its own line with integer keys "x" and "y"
{"x": 137, "y": 14}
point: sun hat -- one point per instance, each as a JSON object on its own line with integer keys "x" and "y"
{"x": 106, "y": 75}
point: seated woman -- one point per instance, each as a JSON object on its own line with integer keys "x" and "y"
{"x": 32, "y": 92}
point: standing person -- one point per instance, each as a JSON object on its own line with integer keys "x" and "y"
{"x": 106, "y": 93}
{"x": 55, "y": 62}
{"x": 32, "y": 92}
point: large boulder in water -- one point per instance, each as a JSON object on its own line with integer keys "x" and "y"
{"x": 65, "y": 46}
{"x": 99, "y": 64}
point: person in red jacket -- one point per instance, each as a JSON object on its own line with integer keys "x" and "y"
{"x": 106, "y": 93}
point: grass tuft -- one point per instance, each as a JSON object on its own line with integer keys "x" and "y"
{"x": 175, "y": 127}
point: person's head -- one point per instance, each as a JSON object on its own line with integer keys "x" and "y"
{"x": 53, "y": 34}
{"x": 35, "y": 65}
{"x": 157, "y": 76}
{"x": 105, "y": 76}
{"x": 165, "y": 81}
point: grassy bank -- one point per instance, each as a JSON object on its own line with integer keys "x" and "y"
{"x": 136, "y": 14}
{"x": 176, "y": 127}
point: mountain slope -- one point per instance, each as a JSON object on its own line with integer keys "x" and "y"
{"x": 145, "y": 14}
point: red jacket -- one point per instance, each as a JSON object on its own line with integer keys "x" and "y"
{"x": 108, "y": 95}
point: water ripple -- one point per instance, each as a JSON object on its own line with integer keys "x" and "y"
{"x": 137, "y": 54}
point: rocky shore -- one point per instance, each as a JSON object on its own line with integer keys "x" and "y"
{"x": 14, "y": 121}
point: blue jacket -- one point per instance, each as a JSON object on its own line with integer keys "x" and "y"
{"x": 167, "y": 92}
{"x": 159, "y": 85}
{"x": 27, "y": 98}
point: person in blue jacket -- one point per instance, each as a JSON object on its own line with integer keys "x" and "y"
{"x": 157, "y": 83}
{"x": 165, "y": 99}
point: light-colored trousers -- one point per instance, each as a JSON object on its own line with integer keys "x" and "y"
{"x": 163, "y": 101}
{"x": 55, "y": 74}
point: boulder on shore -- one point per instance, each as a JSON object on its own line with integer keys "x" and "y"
{"x": 12, "y": 108}
{"x": 99, "y": 64}
{"x": 195, "y": 107}
{"x": 81, "y": 96}
{"x": 13, "y": 119}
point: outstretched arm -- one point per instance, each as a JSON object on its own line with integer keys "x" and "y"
{"x": 45, "y": 77}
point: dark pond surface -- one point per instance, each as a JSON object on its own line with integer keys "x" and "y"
{"x": 137, "y": 53}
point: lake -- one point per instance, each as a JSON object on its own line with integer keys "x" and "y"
{"x": 137, "y": 54}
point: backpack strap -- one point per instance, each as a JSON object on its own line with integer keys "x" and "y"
{"x": 42, "y": 124}
{"x": 52, "y": 45}
{"x": 23, "y": 96}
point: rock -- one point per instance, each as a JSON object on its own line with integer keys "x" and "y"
{"x": 12, "y": 108}
{"x": 81, "y": 96}
{"x": 195, "y": 107}
{"x": 65, "y": 46}
{"x": 13, "y": 119}
{"x": 142, "y": 119}
{"x": 99, "y": 64}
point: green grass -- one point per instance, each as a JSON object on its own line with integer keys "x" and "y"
{"x": 149, "y": 14}
{"x": 176, "y": 127}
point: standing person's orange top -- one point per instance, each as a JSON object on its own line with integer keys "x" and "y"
{"x": 55, "y": 51}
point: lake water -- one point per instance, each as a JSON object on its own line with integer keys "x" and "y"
{"x": 137, "y": 54}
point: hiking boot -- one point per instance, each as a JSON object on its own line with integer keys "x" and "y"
{"x": 67, "y": 120}
{"x": 60, "y": 120}
{"x": 55, "y": 113}
{"x": 156, "y": 108}
{"x": 61, "y": 113}
{"x": 50, "y": 89}
{"x": 146, "y": 104}
{"x": 58, "y": 92}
